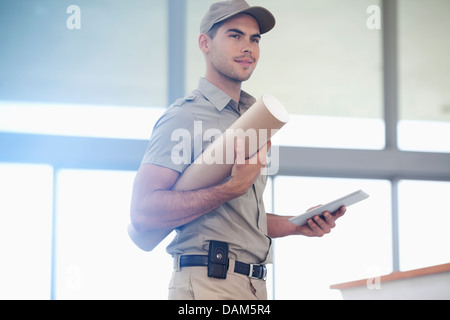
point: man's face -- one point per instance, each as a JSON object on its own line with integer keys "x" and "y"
{"x": 235, "y": 48}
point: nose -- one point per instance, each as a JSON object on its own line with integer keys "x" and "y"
{"x": 247, "y": 50}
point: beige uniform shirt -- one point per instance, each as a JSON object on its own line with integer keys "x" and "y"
{"x": 241, "y": 222}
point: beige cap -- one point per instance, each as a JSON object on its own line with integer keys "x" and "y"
{"x": 221, "y": 11}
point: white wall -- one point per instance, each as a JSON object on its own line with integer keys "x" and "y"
{"x": 428, "y": 287}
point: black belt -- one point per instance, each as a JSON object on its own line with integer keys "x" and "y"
{"x": 254, "y": 271}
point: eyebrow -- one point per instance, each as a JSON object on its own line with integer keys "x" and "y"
{"x": 256, "y": 35}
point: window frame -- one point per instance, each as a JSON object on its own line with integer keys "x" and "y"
{"x": 390, "y": 163}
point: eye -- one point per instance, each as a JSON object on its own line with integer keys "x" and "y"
{"x": 235, "y": 36}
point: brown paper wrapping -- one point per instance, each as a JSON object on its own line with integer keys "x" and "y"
{"x": 256, "y": 127}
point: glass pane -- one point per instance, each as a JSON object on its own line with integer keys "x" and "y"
{"x": 426, "y": 136}
{"x": 79, "y": 120}
{"x": 359, "y": 245}
{"x": 117, "y": 56}
{"x": 323, "y": 62}
{"x": 25, "y": 231}
{"x": 424, "y": 79}
{"x": 95, "y": 257}
{"x": 423, "y": 219}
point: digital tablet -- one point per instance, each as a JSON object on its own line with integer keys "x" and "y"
{"x": 331, "y": 207}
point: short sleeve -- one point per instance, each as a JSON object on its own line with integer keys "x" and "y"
{"x": 171, "y": 143}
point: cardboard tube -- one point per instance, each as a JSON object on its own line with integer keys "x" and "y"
{"x": 147, "y": 241}
{"x": 256, "y": 127}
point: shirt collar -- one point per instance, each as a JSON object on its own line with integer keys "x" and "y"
{"x": 245, "y": 101}
{"x": 220, "y": 99}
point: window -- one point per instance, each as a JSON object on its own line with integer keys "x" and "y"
{"x": 95, "y": 258}
{"x": 359, "y": 246}
{"x": 77, "y": 82}
{"x": 424, "y": 78}
{"x": 78, "y": 120}
{"x": 117, "y": 57}
{"x": 25, "y": 231}
{"x": 424, "y": 218}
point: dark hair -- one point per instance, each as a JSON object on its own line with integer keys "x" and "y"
{"x": 213, "y": 31}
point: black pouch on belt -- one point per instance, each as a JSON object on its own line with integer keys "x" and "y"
{"x": 218, "y": 259}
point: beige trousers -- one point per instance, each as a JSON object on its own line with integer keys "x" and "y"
{"x": 193, "y": 283}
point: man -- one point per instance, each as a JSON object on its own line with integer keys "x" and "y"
{"x": 224, "y": 234}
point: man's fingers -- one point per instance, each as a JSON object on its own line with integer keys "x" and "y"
{"x": 339, "y": 213}
{"x": 269, "y": 144}
{"x": 262, "y": 154}
{"x": 315, "y": 228}
{"x": 240, "y": 151}
{"x": 330, "y": 219}
{"x": 324, "y": 226}
{"x": 259, "y": 157}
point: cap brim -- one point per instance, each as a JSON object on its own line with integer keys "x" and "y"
{"x": 264, "y": 17}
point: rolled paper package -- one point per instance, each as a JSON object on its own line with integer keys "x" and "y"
{"x": 256, "y": 127}
{"x": 147, "y": 241}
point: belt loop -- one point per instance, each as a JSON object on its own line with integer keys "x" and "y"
{"x": 231, "y": 264}
{"x": 176, "y": 262}
{"x": 250, "y": 273}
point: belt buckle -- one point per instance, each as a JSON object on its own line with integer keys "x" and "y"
{"x": 262, "y": 273}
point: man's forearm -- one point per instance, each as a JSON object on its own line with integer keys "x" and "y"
{"x": 166, "y": 209}
{"x": 156, "y": 207}
{"x": 318, "y": 226}
{"x": 279, "y": 226}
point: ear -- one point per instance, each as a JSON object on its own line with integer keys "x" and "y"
{"x": 204, "y": 43}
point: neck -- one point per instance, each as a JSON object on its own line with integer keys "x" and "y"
{"x": 231, "y": 87}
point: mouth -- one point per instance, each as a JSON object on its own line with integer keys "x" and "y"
{"x": 245, "y": 62}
